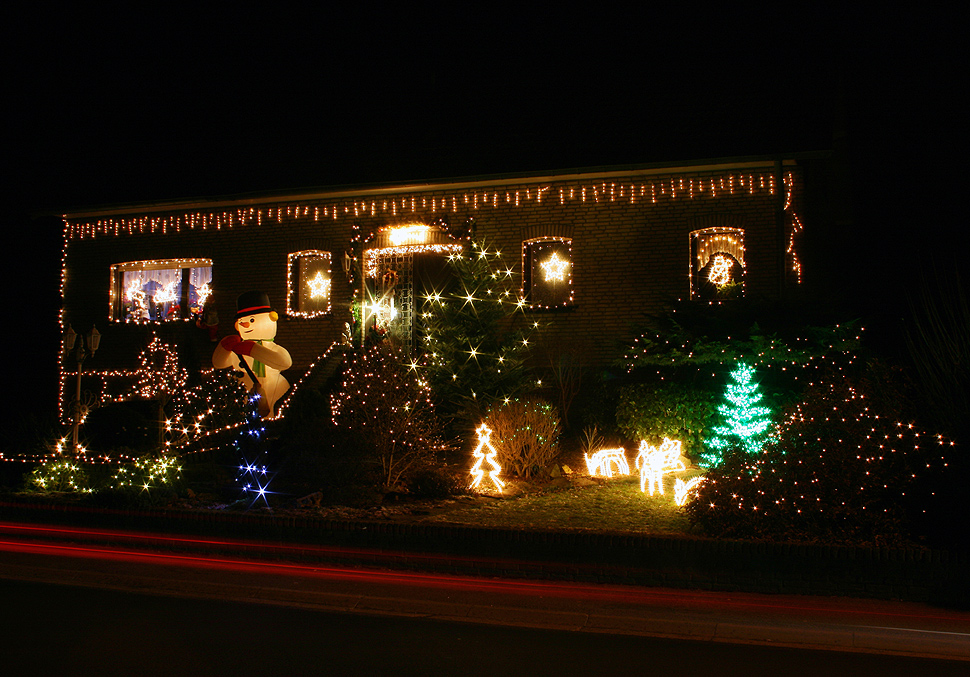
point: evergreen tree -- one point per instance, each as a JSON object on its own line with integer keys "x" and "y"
{"x": 744, "y": 423}
{"x": 476, "y": 337}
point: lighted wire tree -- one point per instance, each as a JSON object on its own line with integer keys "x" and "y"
{"x": 745, "y": 423}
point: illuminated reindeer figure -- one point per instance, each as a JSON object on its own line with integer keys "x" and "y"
{"x": 684, "y": 490}
{"x": 601, "y": 463}
{"x": 654, "y": 463}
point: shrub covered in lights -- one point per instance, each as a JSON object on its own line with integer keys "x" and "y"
{"x": 149, "y": 478}
{"x": 700, "y": 334}
{"x": 526, "y": 434}
{"x": 839, "y": 471}
{"x": 389, "y": 415}
{"x": 59, "y": 475}
{"x": 476, "y": 337}
{"x": 667, "y": 409}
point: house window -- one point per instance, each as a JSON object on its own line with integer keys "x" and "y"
{"x": 159, "y": 291}
{"x": 308, "y": 283}
{"x": 717, "y": 263}
{"x": 547, "y": 272}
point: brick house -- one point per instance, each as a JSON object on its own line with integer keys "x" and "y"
{"x": 596, "y": 251}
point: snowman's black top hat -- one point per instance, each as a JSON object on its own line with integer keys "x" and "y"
{"x": 251, "y": 303}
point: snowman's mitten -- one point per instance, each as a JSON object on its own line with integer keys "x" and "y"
{"x": 230, "y": 342}
{"x": 244, "y": 348}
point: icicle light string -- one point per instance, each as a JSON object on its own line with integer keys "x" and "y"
{"x": 652, "y": 192}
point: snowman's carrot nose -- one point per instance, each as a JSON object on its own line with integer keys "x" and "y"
{"x": 244, "y": 324}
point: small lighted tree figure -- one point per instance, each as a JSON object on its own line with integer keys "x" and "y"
{"x": 484, "y": 441}
{"x": 744, "y": 422}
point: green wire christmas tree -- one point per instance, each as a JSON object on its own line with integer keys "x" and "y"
{"x": 745, "y": 422}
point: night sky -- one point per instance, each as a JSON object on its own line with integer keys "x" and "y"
{"x": 109, "y": 106}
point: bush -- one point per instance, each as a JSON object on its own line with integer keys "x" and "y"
{"x": 437, "y": 482}
{"x": 149, "y": 478}
{"x": 838, "y": 472}
{"x": 59, "y": 475}
{"x": 389, "y": 415}
{"x": 526, "y": 434}
{"x": 654, "y": 411}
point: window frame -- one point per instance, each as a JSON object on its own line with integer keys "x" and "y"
{"x": 530, "y": 261}
{"x": 735, "y": 249}
{"x": 116, "y": 301}
{"x": 295, "y": 283}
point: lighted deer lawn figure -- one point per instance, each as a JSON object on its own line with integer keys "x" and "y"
{"x": 684, "y": 490}
{"x": 654, "y": 463}
{"x": 602, "y": 462}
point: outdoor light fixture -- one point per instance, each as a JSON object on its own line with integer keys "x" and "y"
{"x": 87, "y": 347}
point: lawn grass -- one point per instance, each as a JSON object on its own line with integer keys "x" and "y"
{"x": 608, "y": 505}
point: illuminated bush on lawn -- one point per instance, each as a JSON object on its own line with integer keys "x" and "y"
{"x": 389, "y": 414}
{"x": 837, "y": 471}
{"x": 150, "y": 477}
{"x": 60, "y": 475}
{"x": 528, "y": 430}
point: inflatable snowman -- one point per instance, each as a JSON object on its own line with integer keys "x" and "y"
{"x": 254, "y": 356}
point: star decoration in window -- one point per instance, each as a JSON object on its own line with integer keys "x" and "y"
{"x": 555, "y": 268}
{"x": 319, "y": 286}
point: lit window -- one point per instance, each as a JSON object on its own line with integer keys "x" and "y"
{"x": 547, "y": 272}
{"x": 717, "y": 263}
{"x": 159, "y": 291}
{"x": 308, "y": 283}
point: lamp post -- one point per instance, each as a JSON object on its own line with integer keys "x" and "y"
{"x": 86, "y": 347}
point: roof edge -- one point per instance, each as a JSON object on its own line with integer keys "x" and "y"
{"x": 393, "y": 187}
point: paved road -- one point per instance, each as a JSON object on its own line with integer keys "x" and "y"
{"x": 65, "y": 630}
{"x": 86, "y": 598}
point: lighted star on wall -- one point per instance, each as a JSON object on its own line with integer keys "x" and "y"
{"x": 319, "y": 286}
{"x": 555, "y": 268}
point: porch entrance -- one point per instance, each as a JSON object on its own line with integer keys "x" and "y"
{"x": 398, "y": 275}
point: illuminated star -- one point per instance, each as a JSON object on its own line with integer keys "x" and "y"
{"x": 555, "y": 268}
{"x": 319, "y": 286}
